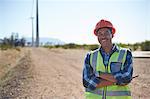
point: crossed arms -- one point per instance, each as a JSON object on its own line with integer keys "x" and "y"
{"x": 106, "y": 80}
{"x": 92, "y": 81}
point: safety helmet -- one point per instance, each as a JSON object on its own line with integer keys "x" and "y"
{"x": 104, "y": 24}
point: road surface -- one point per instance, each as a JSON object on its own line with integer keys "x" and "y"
{"x": 42, "y": 73}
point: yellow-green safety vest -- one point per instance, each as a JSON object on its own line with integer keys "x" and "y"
{"x": 113, "y": 91}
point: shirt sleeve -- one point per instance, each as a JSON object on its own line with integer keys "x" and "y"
{"x": 90, "y": 80}
{"x": 125, "y": 76}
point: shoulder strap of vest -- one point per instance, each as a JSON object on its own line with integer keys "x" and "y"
{"x": 93, "y": 57}
{"x": 93, "y": 60}
{"x": 122, "y": 55}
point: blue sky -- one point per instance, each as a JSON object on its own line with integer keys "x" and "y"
{"x": 74, "y": 20}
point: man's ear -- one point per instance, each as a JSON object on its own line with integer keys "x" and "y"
{"x": 111, "y": 32}
{"x": 111, "y": 35}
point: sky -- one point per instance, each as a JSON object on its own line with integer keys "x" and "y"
{"x": 73, "y": 21}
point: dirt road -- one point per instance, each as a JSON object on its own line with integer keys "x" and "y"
{"x": 57, "y": 74}
{"x": 140, "y": 86}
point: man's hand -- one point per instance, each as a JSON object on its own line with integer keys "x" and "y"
{"x": 104, "y": 83}
{"x": 108, "y": 77}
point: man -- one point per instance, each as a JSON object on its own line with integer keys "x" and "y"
{"x": 107, "y": 70}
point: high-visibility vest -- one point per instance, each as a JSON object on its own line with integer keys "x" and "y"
{"x": 117, "y": 59}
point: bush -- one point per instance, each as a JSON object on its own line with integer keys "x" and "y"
{"x": 136, "y": 46}
{"x": 18, "y": 49}
{"x": 91, "y": 47}
{"x": 5, "y": 47}
{"x": 145, "y": 46}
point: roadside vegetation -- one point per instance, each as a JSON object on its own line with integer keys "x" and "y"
{"x": 142, "y": 46}
{"x": 12, "y": 42}
{"x": 15, "y": 42}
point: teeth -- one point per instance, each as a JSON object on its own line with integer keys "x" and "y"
{"x": 103, "y": 40}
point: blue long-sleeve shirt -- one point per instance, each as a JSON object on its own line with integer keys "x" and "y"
{"x": 90, "y": 80}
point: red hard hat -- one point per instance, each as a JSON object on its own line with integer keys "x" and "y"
{"x": 104, "y": 24}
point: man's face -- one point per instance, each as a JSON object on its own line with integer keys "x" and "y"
{"x": 104, "y": 36}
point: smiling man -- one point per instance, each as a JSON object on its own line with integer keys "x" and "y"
{"x": 107, "y": 70}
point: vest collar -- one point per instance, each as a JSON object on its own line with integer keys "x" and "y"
{"x": 115, "y": 48}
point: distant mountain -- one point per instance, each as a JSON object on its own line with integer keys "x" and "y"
{"x": 46, "y": 41}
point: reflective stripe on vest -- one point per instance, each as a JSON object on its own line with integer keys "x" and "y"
{"x": 96, "y": 62}
{"x": 110, "y": 93}
{"x": 93, "y": 61}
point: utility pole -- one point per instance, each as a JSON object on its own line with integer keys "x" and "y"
{"x": 32, "y": 31}
{"x": 37, "y": 25}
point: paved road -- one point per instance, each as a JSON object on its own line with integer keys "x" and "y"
{"x": 141, "y": 54}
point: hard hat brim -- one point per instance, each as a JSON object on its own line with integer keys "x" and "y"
{"x": 113, "y": 30}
